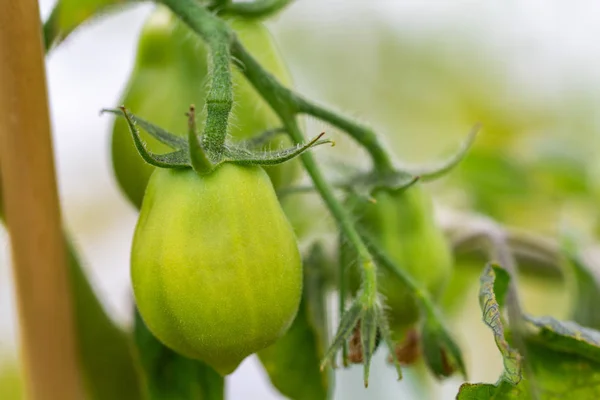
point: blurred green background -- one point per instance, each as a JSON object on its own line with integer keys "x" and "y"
{"x": 422, "y": 74}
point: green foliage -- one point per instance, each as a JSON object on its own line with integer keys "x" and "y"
{"x": 492, "y": 296}
{"x": 563, "y": 358}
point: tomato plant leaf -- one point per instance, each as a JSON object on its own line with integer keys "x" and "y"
{"x": 567, "y": 336}
{"x": 168, "y": 375}
{"x": 293, "y": 362}
{"x": 368, "y": 336}
{"x": 492, "y": 294}
{"x": 558, "y": 375}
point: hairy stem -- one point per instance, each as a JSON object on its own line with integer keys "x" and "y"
{"x": 362, "y": 134}
{"x": 369, "y": 288}
{"x": 219, "y": 100}
{"x": 283, "y": 101}
{"x": 280, "y": 97}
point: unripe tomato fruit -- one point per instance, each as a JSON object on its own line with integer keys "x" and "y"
{"x": 403, "y": 225}
{"x": 169, "y": 74}
{"x": 215, "y": 266}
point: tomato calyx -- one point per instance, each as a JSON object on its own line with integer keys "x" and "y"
{"x": 195, "y": 153}
{"x": 364, "y": 183}
{"x": 365, "y": 322}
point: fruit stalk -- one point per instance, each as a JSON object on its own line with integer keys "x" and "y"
{"x": 32, "y": 210}
{"x": 219, "y": 99}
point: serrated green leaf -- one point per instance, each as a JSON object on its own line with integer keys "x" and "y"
{"x": 558, "y": 375}
{"x": 567, "y": 336}
{"x": 293, "y": 362}
{"x": 488, "y": 391}
{"x": 168, "y": 375}
{"x": 494, "y": 284}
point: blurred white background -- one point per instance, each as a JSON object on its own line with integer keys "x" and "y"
{"x": 539, "y": 50}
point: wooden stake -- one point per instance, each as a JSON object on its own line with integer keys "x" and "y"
{"x": 32, "y": 210}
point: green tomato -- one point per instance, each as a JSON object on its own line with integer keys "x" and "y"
{"x": 403, "y": 225}
{"x": 170, "y": 73}
{"x": 215, "y": 266}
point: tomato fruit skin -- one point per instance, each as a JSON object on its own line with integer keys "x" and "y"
{"x": 215, "y": 266}
{"x": 403, "y": 225}
{"x": 169, "y": 74}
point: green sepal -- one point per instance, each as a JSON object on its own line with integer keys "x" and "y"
{"x": 429, "y": 173}
{"x": 368, "y": 337}
{"x": 401, "y": 178}
{"x": 346, "y": 327}
{"x": 175, "y": 159}
{"x": 243, "y": 156}
{"x": 386, "y": 335}
{"x": 163, "y": 136}
{"x": 441, "y": 352}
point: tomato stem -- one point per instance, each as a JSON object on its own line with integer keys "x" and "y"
{"x": 284, "y": 99}
{"x": 219, "y": 99}
{"x": 340, "y": 214}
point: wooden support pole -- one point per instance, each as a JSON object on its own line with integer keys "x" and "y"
{"x": 32, "y": 210}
